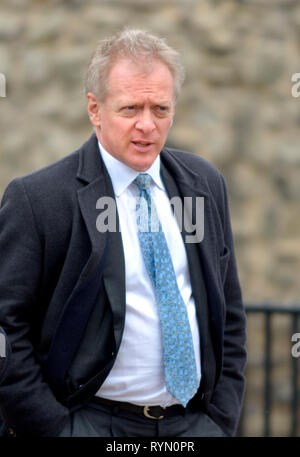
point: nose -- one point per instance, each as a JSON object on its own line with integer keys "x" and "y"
{"x": 145, "y": 123}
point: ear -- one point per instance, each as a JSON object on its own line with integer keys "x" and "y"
{"x": 94, "y": 109}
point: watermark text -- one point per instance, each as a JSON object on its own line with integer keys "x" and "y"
{"x": 189, "y": 214}
{"x": 2, "y": 85}
{"x": 296, "y": 87}
{"x": 296, "y": 347}
{"x": 2, "y": 345}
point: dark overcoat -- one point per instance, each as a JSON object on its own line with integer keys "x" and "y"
{"x": 62, "y": 290}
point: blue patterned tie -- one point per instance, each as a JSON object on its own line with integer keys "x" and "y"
{"x": 179, "y": 357}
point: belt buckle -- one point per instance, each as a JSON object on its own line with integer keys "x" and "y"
{"x": 146, "y": 414}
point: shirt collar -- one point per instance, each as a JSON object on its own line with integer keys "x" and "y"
{"x": 122, "y": 176}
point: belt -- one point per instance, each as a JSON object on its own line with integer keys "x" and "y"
{"x": 151, "y": 412}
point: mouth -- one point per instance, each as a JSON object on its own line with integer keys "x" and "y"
{"x": 142, "y": 145}
{"x": 142, "y": 142}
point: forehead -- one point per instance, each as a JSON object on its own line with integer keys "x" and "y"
{"x": 130, "y": 79}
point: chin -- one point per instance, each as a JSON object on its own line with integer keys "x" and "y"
{"x": 142, "y": 165}
{"x": 141, "y": 168}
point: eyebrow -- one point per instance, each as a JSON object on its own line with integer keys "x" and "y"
{"x": 136, "y": 103}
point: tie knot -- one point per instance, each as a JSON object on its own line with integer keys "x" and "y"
{"x": 143, "y": 181}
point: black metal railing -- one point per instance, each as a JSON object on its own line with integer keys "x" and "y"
{"x": 269, "y": 310}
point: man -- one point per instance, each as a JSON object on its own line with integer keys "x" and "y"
{"x": 133, "y": 331}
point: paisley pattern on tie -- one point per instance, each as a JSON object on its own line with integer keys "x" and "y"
{"x": 179, "y": 357}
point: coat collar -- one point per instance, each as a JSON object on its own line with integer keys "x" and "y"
{"x": 91, "y": 167}
{"x": 183, "y": 173}
{"x": 90, "y": 164}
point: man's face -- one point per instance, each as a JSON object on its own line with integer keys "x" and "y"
{"x": 133, "y": 121}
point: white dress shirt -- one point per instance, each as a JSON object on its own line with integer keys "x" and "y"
{"x": 137, "y": 375}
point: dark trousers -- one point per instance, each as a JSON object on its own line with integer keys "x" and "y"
{"x": 94, "y": 420}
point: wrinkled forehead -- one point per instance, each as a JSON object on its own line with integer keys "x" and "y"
{"x": 141, "y": 64}
{"x": 132, "y": 74}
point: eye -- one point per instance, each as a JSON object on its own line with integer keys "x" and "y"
{"x": 129, "y": 110}
{"x": 162, "y": 110}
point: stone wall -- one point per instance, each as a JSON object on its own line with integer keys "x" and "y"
{"x": 236, "y": 108}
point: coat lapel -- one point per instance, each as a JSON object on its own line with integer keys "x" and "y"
{"x": 77, "y": 309}
{"x": 91, "y": 173}
{"x": 87, "y": 198}
{"x": 191, "y": 184}
{"x": 107, "y": 245}
{"x": 198, "y": 290}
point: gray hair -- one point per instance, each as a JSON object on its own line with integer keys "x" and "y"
{"x": 136, "y": 45}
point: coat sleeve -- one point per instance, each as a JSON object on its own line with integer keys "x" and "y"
{"x": 27, "y": 403}
{"x": 226, "y": 403}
